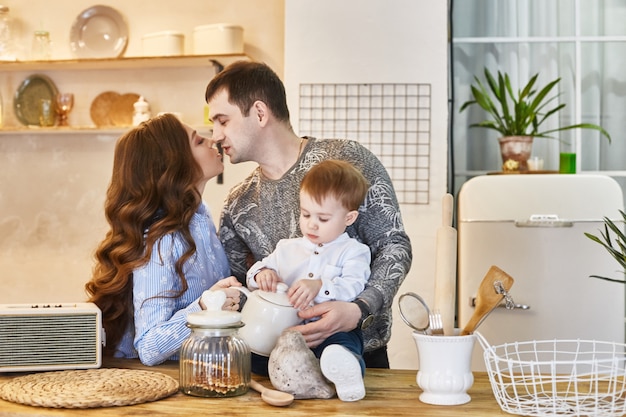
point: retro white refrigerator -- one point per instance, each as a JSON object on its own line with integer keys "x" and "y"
{"x": 532, "y": 226}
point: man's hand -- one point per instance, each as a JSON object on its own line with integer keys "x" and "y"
{"x": 335, "y": 316}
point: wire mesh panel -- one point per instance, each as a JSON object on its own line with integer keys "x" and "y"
{"x": 391, "y": 120}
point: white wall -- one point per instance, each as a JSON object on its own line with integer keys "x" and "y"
{"x": 369, "y": 41}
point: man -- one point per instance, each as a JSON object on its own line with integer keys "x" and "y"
{"x": 248, "y": 107}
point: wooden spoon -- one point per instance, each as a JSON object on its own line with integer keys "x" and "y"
{"x": 272, "y": 396}
{"x": 487, "y": 298}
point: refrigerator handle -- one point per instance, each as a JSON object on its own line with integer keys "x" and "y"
{"x": 544, "y": 220}
{"x": 515, "y": 306}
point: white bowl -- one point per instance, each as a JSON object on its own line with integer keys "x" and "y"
{"x": 166, "y": 43}
{"x": 218, "y": 39}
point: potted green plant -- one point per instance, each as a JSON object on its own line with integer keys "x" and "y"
{"x": 614, "y": 241}
{"x": 518, "y": 115}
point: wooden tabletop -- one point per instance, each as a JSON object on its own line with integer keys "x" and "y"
{"x": 389, "y": 393}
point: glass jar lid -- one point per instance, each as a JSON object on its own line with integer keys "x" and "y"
{"x": 214, "y": 316}
{"x": 215, "y": 319}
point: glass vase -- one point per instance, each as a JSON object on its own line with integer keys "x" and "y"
{"x": 567, "y": 158}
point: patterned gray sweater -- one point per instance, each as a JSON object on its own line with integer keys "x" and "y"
{"x": 259, "y": 212}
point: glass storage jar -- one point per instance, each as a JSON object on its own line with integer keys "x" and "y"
{"x": 42, "y": 46}
{"x": 7, "y": 52}
{"x": 214, "y": 360}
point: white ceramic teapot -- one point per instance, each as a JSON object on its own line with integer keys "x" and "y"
{"x": 266, "y": 314}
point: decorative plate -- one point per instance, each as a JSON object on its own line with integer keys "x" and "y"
{"x": 28, "y": 98}
{"x": 99, "y": 32}
{"x": 122, "y": 109}
{"x": 100, "y": 110}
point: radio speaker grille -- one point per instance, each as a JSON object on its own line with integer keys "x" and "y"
{"x": 47, "y": 337}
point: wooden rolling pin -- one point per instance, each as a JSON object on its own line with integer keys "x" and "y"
{"x": 445, "y": 267}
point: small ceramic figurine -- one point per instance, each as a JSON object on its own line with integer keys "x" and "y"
{"x": 141, "y": 112}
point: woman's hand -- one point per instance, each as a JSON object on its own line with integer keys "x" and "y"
{"x": 225, "y": 283}
{"x": 335, "y": 316}
{"x": 232, "y": 294}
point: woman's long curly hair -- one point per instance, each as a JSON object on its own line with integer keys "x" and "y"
{"x": 152, "y": 193}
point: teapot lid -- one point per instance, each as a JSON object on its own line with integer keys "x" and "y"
{"x": 279, "y": 297}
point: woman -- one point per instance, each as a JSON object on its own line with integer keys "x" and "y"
{"x": 161, "y": 252}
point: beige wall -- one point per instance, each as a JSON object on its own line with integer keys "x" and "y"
{"x": 52, "y": 186}
{"x": 262, "y": 22}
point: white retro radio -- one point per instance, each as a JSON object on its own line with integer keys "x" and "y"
{"x": 43, "y": 337}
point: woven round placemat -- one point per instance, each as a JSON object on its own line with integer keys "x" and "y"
{"x": 89, "y": 388}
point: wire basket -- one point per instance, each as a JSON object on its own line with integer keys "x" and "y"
{"x": 558, "y": 377}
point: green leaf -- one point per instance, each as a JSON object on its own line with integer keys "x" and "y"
{"x": 613, "y": 240}
{"x": 522, "y": 112}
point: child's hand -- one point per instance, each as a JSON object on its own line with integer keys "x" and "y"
{"x": 303, "y": 292}
{"x": 267, "y": 279}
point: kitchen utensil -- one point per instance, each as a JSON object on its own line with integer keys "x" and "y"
{"x": 214, "y": 360}
{"x": 266, "y": 314}
{"x": 445, "y": 266}
{"x": 272, "y": 396}
{"x": 99, "y": 32}
{"x": 7, "y": 28}
{"x": 87, "y": 389}
{"x": 435, "y": 323}
{"x": 100, "y": 109}
{"x": 414, "y": 311}
{"x": 46, "y": 112}
{"x": 64, "y": 105}
{"x": 42, "y": 47}
{"x": 28, "y": 96}
{"x": 123, "y": 108}
{"x": 445, "y": 372}
{"x": 557, "y": 377}
{"x": 492, "y": 290}
{"x": 218, "y": 39}
{"x": 165, "y": 43}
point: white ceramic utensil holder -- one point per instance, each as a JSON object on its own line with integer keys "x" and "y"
{"x": 445, "y": 372}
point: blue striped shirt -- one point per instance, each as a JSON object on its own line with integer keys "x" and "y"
{"x": 160, "y": 323}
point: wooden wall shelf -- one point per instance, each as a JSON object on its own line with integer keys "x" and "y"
{"x": 79, "y": 130}
{"x": 121, "y": 63}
